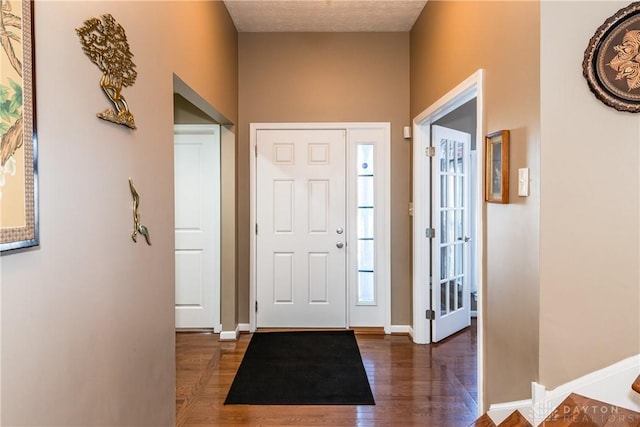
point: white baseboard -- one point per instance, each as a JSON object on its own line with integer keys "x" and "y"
{"x": 230, "y": 335}
{"x": 611, "y": 385}
{"x": 500, "y": 411}
{"x": 246, "y": 327}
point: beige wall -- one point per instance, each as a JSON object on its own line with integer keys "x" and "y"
{"x": 185, "y": 113}
{"x": 88, "y": 318}
{"x": 589, "y": 245}
{"x": 450, "y": 41}
{"x": 330, "y": 77}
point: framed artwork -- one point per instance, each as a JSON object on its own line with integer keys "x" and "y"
{"x": 18, "y": 143}
{"x": 496, "y": 162}
{"x": 611, "y": 62}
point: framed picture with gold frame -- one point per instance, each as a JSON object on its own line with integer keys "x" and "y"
{"x": 496, "y": 162}
{"x": 18, "y": 143}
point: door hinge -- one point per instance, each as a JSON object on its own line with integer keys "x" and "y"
{"x": 255, "y": 149}
{"x": 256, "y": 228}
{"x": 430, "y": 151}
{"x": 430, "y": 233}
{"x": 256, "y": 306}
{"x": 430, "y": 315}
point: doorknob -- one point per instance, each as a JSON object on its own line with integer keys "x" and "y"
{"x": 339, "y": 230}
{"x": 339, "y": 245}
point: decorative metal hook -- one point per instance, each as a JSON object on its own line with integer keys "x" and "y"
{"x": 137, "y": 227}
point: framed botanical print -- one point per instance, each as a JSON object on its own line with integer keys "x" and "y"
{"x": 18, "y": 142}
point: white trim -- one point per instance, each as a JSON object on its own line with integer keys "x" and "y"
{"x": 230, "y": 335}
{"x": 470, "y": 88}
{"x": 244, "y": 327}
{"x": 384, "y": 265}
{"x": 500, "y": 411}
{"x": 213, "y": 130}
{"x": 611, "y": 385}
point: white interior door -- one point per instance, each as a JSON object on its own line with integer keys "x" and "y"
{"x": 197, "y": 225}
{"x": 450, "y": 298}
{"x": 300, "y": 226}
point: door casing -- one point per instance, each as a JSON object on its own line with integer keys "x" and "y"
{"x": 470, "y": 88}
{"x": 211, "y": 294}
{"x": 355, "y": 131}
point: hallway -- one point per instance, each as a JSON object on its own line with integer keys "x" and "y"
{"x": 432, "y": 385}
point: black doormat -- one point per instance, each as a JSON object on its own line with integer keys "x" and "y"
{"x": 301, "y": 368}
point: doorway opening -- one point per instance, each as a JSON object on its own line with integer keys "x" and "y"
{"x": 191, "y": 109}
{"x": 448, "y": 217}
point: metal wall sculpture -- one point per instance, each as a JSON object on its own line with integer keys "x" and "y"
{"x": 105, "y": 43}
{"x": 137, "y": 226}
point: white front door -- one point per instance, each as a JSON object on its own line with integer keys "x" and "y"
{"x": 450, "y": 302}
{"x": 197, "y": 225}
{"x": 300, "y": 225}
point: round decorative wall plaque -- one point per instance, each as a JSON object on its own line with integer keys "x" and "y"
{"x": 612, "y": 60}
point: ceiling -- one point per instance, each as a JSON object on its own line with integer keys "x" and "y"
{"x": 324, "y": 15}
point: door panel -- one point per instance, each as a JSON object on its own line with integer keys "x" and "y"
{"x": 450, "y": 300}
{"x": 301, "y": 268}
{"x": 197, "y": 226}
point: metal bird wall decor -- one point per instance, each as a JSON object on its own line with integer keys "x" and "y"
{"x": 105, "y": 43}
{"x": 137, "y": 227}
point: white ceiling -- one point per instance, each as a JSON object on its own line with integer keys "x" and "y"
{"x": 324, "y": 15}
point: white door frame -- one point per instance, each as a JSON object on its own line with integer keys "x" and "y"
{"x": 209, "y": 129}
{"x": 383, "y": 241}
{"x": 470, "y": 88}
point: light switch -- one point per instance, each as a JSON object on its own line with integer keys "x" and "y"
{"x": 523, "y": 182}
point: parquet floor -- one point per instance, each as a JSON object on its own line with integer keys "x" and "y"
{"x": 413, "y": 385}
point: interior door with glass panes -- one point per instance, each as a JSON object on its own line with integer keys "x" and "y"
{"x": 450, "y": 298}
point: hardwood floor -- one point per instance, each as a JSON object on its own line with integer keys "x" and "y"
{"x": 427, "y": 385}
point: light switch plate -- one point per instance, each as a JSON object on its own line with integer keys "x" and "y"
{"x": 523, "y": 182}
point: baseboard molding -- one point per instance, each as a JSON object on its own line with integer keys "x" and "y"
{"x": 611, "y": 385}
{"x": 401, "y": 330}
{"x": 500, "y": 411}
{"x": 230, "y": 335}
{"x": 246, "y": 327}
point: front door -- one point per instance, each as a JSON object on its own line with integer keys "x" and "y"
{"x": 197, "y": 225}
{"x": 300, "y": 228}
{"x": 450, "y": 297}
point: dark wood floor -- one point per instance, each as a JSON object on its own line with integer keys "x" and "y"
{"x": 426, "y": 385}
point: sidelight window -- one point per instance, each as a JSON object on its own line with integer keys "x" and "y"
{"x": 366, "y": 224}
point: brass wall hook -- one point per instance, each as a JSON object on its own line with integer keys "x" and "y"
{"x": 137, "y": 227}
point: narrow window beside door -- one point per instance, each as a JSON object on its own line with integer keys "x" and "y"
{"x": 366, "y": 224}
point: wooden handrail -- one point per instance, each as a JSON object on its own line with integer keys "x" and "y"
{"x": 636, "y": 385}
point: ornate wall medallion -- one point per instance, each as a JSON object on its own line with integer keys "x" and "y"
{"x": 612, "y": 60}
{"x": 105, "y": 43}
